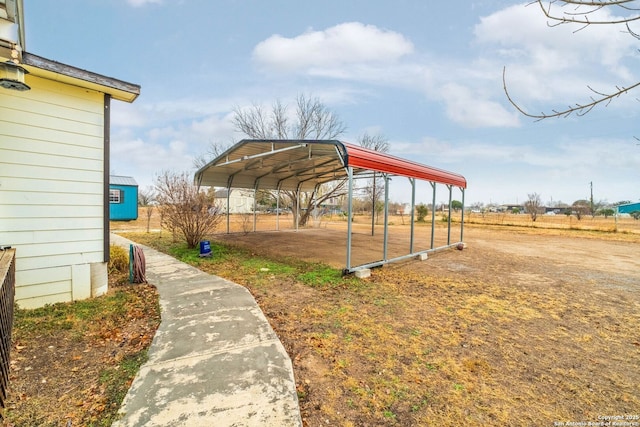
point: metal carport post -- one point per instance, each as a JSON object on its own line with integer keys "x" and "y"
{"x": 349, "y": 215}
{"x": 386, "y": 216}
{"x": 413, "y": 208}
{"x": 433, "y": 213}
{"x": 450, "y": 187}
{"x": 462, "y": 217}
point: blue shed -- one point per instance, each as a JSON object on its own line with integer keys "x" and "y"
{"x": 123, "y": 198}
{"x": 628, "y": 208}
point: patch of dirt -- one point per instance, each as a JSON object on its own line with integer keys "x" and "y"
{"x": 61, "y": 376}
{"x": 526, "y": 327}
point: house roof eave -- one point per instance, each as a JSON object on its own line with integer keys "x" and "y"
{"x": 57, "y": 71}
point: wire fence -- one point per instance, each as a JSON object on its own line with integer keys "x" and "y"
{"x": 7, "y": 296}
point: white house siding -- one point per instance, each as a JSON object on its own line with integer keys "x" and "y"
{"x": 51, "y": 190}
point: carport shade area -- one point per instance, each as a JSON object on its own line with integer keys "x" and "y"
{"x": 304, "y": 165}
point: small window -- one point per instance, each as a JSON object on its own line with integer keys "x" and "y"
{"x": 115, "y": 196}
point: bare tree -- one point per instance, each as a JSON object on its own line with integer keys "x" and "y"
{"x": 397, "y": 208}
{"x": 375, "y": 187}
{"x": 185, "y": 208}
{"x": 311, "y": 120}
{"x": 533, "y": 205}
{"x": 146, "y": 199}
{"x": 214, "y": 150}
{"x": 581, "y": 208}
{"x": 582, "y": 14}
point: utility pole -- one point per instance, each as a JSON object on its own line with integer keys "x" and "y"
{"x": 591, "y": 200}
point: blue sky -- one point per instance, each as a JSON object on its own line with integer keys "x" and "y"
{"x": 426, "y": 75}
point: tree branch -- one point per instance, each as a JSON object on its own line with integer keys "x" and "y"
{"x": 582, "y": 16}
{"x": 579, "y": 109}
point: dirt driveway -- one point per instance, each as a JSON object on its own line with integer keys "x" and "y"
{"x": 522, "y": 327}
{"x": 596, "y": 261}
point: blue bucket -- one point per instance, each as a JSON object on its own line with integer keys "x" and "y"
{"x": 205, "y": 248}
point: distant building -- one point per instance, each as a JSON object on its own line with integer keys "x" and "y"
{"x": 240, "y": 201}
{"x": 629, "y": 207}
{"x": 512, "y": 208}
{"x": 123, "y": 198}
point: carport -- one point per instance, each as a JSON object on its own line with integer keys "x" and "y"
{"x": 304, "y": 165}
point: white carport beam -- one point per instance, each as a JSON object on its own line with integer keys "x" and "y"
{"x": 265, "y": 154}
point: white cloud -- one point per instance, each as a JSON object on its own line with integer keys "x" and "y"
{"x": 144, "y": 159}
{"x": 127, "y": 115}
{"x": 148, "y": 138}
{"x": 348, "y": 43}
{"x": 555, "y": 63}
{"x": 470, "y": 108}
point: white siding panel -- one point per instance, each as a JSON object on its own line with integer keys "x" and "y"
{"x": 62, "y": 187}
{"x": 47, "y": 212}
{"x": 51, "y": 188}
{"x": 41, "y": 298}
{"x": 31, "y": 263}
{"x": 48, "y": 173}
{"x": 28, "y": 237}
{"x": 33, "y": 198}
{"x": 42, "y": 134}
{"x": 53, "y": 288}
{"x": 49, "y": 122}
{"x": 46, "y": 108}
{"x": 48, "y": 249}
{"x": 26, "y": 145}
{"x": 33, "y": 277}
{"x": 70, "y": 225}
{"x": 50, "y": 161}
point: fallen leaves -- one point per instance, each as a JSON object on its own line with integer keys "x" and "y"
{"x": 60, "y": 370}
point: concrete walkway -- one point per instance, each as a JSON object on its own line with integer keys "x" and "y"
{"x": 214, "y": 361}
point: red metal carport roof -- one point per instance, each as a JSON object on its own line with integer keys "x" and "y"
{"x": 363, "y": 158}
{"x": 303, "y": 164}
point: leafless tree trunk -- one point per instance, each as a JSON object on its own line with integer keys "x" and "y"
{"x": 375, "y": 187}
{"x": 533, "y": 205}
{"x": 146, "y": 198}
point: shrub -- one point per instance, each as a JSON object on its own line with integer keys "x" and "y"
{"x": 118, "y": 260}
{"x": 185, "y": 208}
{"x": 422, "y": 210}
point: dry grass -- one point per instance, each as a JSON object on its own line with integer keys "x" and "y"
{"x": 468, "y": 338}
{"x": 562, "y": 222}
{"x": 600, "y": 226}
